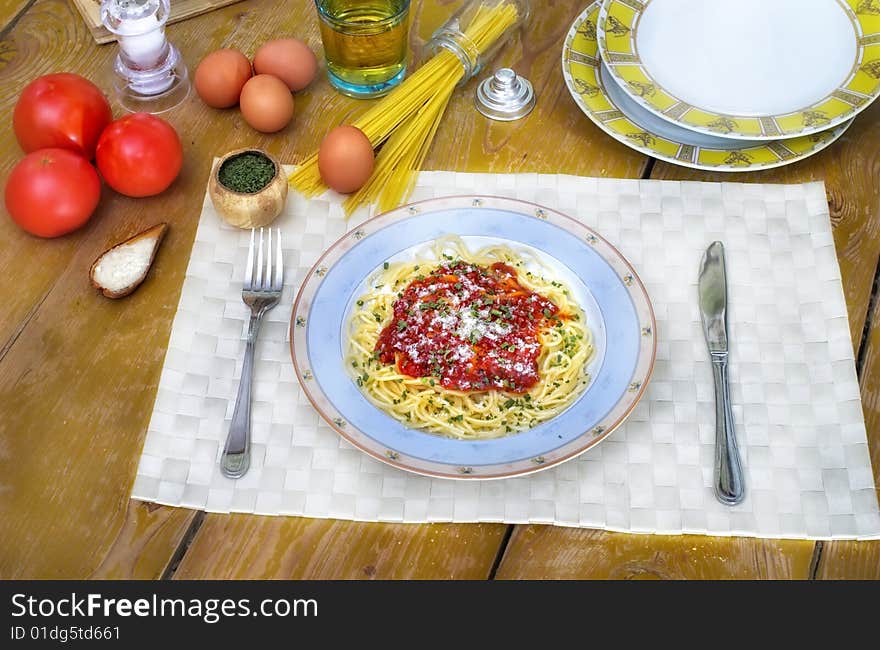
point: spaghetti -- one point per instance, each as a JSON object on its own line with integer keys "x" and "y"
{"x": 405, "y": 121}
{"x": 469, "y": 345}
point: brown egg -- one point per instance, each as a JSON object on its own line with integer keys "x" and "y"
{"x": 266, "y": 103}
{"x": 289, "y": 59}
{"x": 345, "y": 159}
{"x": 220, "y": 77}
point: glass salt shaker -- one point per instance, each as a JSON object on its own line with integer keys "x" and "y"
{"x": 149, "y": 74}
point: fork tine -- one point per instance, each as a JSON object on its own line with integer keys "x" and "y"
{"x": 278, "y": 282}
{"x": 249, "y": 269}
{"x": 267, "y": 281}
{"x": 258, "y": 284}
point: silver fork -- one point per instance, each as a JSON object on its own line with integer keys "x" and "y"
{"x": 261, "y": 291}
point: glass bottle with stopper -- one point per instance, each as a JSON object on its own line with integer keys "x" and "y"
{"x": 149, "y": 75}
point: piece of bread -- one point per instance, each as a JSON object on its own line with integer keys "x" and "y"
{"x": 120, "y": 270}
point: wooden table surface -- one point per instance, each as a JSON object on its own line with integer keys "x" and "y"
{"x": 78, "y": 372}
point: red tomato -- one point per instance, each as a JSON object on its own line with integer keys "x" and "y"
{"x": 52, "y": 192}
{"x": 139, "y": 155}
{"x": 61, "y": 110}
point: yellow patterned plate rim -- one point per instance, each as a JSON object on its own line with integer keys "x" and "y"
{"x": 617, "y": 30}
{"x": 580, "y": 68}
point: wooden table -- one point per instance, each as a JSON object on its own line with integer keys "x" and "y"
{"x": 78, "y": 372}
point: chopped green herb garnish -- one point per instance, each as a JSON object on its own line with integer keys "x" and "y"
{"x": 247, "y": 173}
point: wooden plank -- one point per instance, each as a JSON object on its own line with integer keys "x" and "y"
{"x": 140, "y": 537}
{"x": 244, "y": 546}
{"x": 42, "y": 41}
{"x": 146, "y": 542}
{"x": 78, "y": 372}
{"x": 9, "y": 11}
{"x": 849, "y": 561}
{"x": 861, "y": 560}
{"x": 541, "y": 552}
{"x": 554, "y": 138}
{"x": 849, "y": 170}
{"x": 90, "y": 11}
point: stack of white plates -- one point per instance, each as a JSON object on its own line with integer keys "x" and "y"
{"x": 725, "y": 85}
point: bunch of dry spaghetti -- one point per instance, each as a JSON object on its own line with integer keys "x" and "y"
{"x": 404, "y": 121}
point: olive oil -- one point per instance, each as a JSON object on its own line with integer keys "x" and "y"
{"x": 365, "y": 44}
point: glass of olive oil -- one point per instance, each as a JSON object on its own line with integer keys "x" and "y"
{"x": 365, "y": 44}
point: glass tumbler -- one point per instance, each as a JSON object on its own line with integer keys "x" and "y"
{"x": 365, "y": 44}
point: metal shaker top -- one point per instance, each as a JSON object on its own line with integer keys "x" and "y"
{"x": 505, "y": 96}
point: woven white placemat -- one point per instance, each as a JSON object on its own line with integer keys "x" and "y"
{"x": 795, "y": 393}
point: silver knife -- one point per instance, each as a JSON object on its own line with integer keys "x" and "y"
{"x": 729, "y": 481}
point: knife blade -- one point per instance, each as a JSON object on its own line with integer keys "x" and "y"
{"x": 712, "y": 288}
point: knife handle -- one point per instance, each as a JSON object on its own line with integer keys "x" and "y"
{"x": 729, "y": 481}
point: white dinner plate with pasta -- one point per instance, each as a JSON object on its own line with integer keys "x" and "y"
{"x": 473, "y": 337}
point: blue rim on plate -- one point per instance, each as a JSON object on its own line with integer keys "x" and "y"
{"x": 609, "y": 285}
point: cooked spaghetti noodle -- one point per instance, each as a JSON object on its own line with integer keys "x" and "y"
{"x": 469, "y": 345}
{"x": 404, "y": 122}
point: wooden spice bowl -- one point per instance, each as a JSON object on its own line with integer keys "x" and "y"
{"x": 249, "y": 209}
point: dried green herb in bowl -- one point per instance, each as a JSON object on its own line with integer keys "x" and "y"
{"x": 248, "y": 188}
{"x": 247, "y": 172}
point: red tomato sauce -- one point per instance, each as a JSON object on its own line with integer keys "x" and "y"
{"x": 469, "y": 328}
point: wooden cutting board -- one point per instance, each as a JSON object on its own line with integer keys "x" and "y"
{"x": 90, "y": 10}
